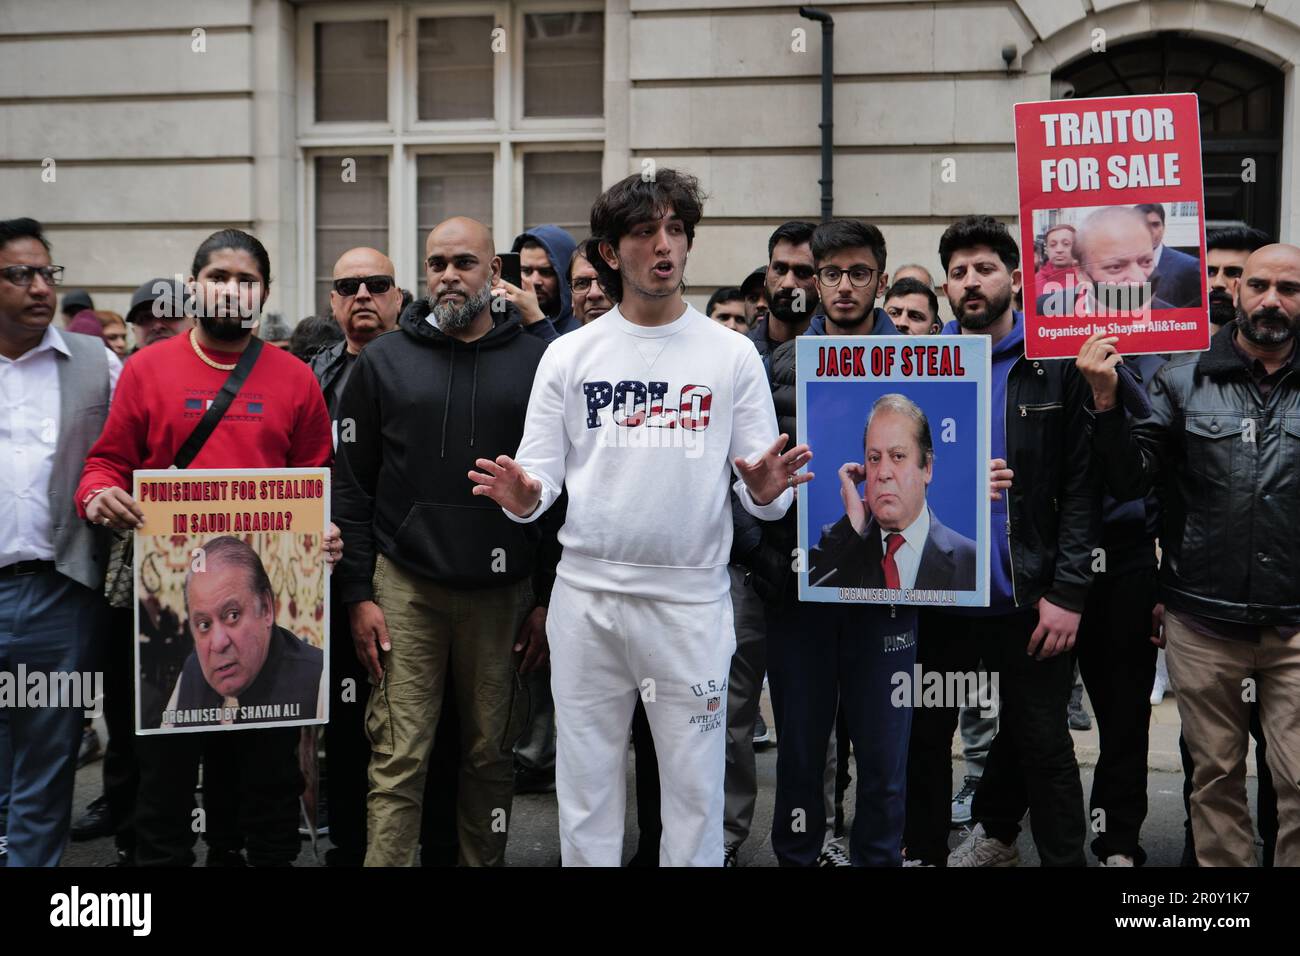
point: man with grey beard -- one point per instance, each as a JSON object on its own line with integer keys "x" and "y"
{"x": 1220, "y": 449}
{"x": 440, "y": 579}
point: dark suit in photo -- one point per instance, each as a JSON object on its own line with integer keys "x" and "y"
{"x": 1177, "y": 279}
{"x": 844, "y": 559}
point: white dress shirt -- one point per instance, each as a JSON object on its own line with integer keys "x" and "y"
{"x": 908, "y": 556}
{"x": 29, "y": 433}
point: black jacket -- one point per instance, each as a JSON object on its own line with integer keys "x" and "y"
{"x": 844, "y": 559}
{"x": 424, "y": 407}
{"x": 328, "y": 365}
{"x": 1230, "y": 505}
{"x": 766, "y": 548}
{"x": 1054, "y": 502}
{"x": 290, "y": 677}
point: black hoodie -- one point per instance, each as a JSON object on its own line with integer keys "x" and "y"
{"x": 419, "y": 408}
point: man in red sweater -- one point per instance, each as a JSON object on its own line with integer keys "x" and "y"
{"x": 277, "y": 420}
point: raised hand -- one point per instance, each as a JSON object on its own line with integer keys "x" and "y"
{"x": 507, "y": 484}
{"x": 852, "y": 474}
{"x": 774, "y": 472}
{"x": 1097, "y": 360}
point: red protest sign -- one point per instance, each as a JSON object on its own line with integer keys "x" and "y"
{"x": 1112, "y": 224}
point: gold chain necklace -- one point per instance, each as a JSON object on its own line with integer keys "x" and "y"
{"x": 207, "y": 361}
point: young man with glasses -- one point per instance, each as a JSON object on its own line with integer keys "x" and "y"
{"x": 856, "y": 648}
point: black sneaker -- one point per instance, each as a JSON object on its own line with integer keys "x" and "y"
{"x": 731, "y": 855}
{"x": 4, "y": 850}
{"x": 1079, "y": 719}
{"x": 761, "y": 734}
{"x": 90, "y": 749}
{"x": 534, "y": 781}
{"x": 833, "y": 855}
{"x": 94, "y": 823}
{"x": 225, "y": 858}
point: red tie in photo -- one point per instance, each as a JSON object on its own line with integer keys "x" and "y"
{"x": 893, "y": 541}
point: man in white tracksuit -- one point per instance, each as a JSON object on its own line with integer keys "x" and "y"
{"x": 643, "y": 414}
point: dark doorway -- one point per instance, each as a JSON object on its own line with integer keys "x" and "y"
{"x": 1241, "y": 114}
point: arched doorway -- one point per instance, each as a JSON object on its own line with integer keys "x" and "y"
{"x": 1241, "y": 102}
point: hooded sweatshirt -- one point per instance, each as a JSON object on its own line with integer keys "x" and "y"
{"x": 559, "y": 246}
{"x": 1005, "y": 353}
{"x": 419, "y": 408}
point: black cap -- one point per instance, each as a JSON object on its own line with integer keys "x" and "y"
{"x": 754, "y": 282}
{"x": 75, "y": 300}
{"x": 168, "y": 294}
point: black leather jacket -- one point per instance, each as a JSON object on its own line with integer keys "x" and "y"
{"x": 1226, "y": 466}
{"x": 1054, "y": 502}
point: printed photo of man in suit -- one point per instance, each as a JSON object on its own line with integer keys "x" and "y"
{"x": 889, "y": 537}
{"x": 1177, "y": 276}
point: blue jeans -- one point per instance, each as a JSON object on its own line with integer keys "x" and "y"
{"x": 46, "y": 623}
{"x": 818, "y": 654}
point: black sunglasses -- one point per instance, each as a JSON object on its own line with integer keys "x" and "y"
{"x": 377, "y": 285}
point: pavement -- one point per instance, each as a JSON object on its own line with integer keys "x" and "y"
{"x": 534, "y": 839}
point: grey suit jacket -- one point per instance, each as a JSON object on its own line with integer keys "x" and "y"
{"x": 80, "y": 549}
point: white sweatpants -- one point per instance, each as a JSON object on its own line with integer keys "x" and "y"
{"x": 606, "y": 649}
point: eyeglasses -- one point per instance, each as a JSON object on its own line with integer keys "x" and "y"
{"x": 377, "y": 285}
{"x": 22, "y": 276}
{"x": 583, "y": 284}
{"x": 859, "y": 276}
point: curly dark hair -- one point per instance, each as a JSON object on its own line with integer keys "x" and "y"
{"x": 979, "y": 231}
{"x": 637, "y": 199}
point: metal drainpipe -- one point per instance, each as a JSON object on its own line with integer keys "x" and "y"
{"x": 827, "y": 124}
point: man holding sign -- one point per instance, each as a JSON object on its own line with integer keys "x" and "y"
{"x": 277, "y": 420}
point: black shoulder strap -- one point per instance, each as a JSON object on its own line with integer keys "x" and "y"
{"x": 208, "y": 423}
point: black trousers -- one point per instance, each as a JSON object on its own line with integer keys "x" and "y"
{"x": 347, "y": 757}
{"x": 648, "y": 820}
{"x": 1265, "y": 796}
{"x": 1118, "y": 663}
{"x": 121, "y": 774}
{"x": 1031, "y": 763}
{"x": 251, "y": 784}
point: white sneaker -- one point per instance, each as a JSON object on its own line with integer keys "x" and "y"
{"x": 980, "y": 849}
{"x": 917, "y": 863}
{"x": 833, "y": 855}
{"x": 1161, "y": 683}
{"x": 1118, "y": 859}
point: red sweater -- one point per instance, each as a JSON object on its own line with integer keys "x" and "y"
{"x": 278, "y": 419}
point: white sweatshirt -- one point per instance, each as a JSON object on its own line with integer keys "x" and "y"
{"x": 642, "y": 425}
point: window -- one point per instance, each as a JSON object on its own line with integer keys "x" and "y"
{"x": 352, "y": 71}
{"x": 455, "y": 69}
{"x": 492, "y": 110}
{"x": 351, "y": 210}
{"x": 451, "y": 184}
{"x": 564, "y": 64}
{"x": 559, "y": 188}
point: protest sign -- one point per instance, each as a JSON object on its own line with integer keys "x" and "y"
{"x": 1112, "y": 224}
{"x": 232, "y": 599}
{"x": 898, "y": 512}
